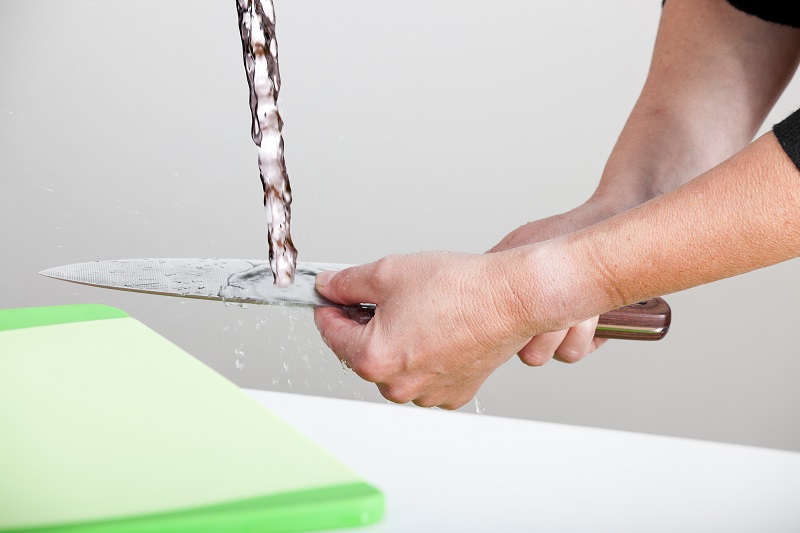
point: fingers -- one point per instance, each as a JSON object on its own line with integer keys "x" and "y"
{"x": 542, "y": 347}
{"x": 578, "y": 342}
{"x": 354, "y": 285}
{"x": 420, "y": 346}
{"x": 348, "y": 287}
{"x": 350, "y": 341}
{"x": 596, "y": 343}
{"x": 346, "y": 338}
{"x": 441, "y": 399}
{"x": 567, "y": 346}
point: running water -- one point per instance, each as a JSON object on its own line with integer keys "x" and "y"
{"x": 260, "y": 49}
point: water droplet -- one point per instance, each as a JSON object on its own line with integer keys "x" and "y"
{"x": 226, "y": 329}
{"x": 239, "y": 352}
{"x": 275, "y": 381}
{"x": 240, "y": 322}
{"x": 285, "y": 366}
{"x": 289, "y": 382}
{"x": 227, "y": 304}
{"x": 244, "y": 305}
{"x": 479, "y": 408}
{"x": 258, "y": 325}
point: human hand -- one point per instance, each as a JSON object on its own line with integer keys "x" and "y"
{"x": 443, "y": 322}
{"x": 572, "y": 344}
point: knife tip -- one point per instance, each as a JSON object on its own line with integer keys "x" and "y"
{"x": 48, "y": 272}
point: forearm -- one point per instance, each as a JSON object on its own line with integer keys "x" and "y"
{"x": 742, "y": 215}
{"x": 714, "y": 76}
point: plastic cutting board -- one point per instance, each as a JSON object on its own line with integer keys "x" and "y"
{"x": 107, "y": 427}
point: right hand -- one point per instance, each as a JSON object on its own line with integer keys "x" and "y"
{"x": 573, "y": 344}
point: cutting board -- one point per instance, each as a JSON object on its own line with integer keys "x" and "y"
{"x": 107, "y": 427}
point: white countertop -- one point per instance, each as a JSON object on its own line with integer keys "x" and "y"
{"x": 444, "y": 471}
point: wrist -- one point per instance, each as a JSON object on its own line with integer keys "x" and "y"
{"x": 659, "y": 150}
{"x": 551, "y": 286}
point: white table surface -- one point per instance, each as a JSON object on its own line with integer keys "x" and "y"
{"x": 443, "y": 471}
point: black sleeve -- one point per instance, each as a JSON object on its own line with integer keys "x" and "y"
{"x": 788, "y": 133}
{"x": 786, "y": 12}
{"x": 780, "y": 12}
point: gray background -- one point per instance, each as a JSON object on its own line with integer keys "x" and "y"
{"x": 124, "y": 132}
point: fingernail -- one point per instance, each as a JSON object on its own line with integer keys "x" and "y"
{"x": 323, "y": 278}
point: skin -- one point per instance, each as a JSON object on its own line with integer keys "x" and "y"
{"x": 683, "y": 200}
{"x": 685, "y": 122}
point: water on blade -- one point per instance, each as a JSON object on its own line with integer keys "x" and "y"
{"x": 260, "y": 51}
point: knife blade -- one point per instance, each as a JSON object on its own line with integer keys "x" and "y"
{"x": 250, "y": 281}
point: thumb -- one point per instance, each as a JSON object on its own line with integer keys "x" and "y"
{"x": 351, "y": 286}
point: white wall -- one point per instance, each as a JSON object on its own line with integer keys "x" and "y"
{"x": 124, "y": 132}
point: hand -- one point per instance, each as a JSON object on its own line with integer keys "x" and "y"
{"x": 568, "y": 345}
{"x": 443, "y": 322}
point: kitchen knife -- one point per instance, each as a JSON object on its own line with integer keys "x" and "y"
{"x": 251, "y": 282}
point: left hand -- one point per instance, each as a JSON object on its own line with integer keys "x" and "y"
{"x": 443, "y": 323}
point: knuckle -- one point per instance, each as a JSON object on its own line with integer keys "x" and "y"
{"x": 396, "y": 393}
{"x": 368, "y": 369}
{"x": 400, "y": 397}
{"x": 343, "y": 281}
{"x": 425, "y": 402}
{"x": 369, "y": 366}
{"x": 338, "y": 285}
{"x": 456, "y": 403}
{"x": 384, "y": 271}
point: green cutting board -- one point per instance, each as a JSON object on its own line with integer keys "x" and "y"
{"x": 107, "y": 427}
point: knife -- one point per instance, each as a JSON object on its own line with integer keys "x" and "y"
{"x": 251, "y": 282}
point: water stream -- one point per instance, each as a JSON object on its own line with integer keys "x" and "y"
{"x": 260, "y": 52}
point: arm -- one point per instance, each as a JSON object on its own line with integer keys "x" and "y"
{"x": 741, "y": 215}
{"x": 714, "y": 76}
{"x": 444, "y": 321}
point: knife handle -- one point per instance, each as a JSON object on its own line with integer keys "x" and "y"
{"x": 648, "y": 320}
{"x": 642, "y": 321}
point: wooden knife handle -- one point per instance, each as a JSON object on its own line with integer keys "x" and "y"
{"x": 643, "y": 321}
